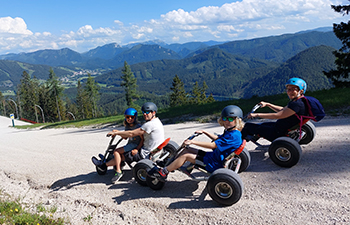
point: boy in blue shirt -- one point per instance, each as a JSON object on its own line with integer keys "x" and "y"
{"x": 221, "y": 145}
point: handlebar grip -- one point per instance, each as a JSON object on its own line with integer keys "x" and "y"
{"x": 256, "y": 107}
{"x": 193, "y": 136}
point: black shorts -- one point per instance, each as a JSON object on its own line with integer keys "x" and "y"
{"x": 129, "y": 158}
{"x": 200, "y": 155}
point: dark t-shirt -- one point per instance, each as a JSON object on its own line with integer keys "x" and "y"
{"x": 298, "y": 107}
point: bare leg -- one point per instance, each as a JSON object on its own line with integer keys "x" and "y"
{"x": 189, "y": 154}
{"x": 118, "y": 157}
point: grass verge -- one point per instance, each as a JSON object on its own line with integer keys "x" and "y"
{"x": 12, "y": 212}
{"x": 335, "y": 101}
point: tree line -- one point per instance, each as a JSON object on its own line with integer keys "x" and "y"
{"x": 45, "y": 101}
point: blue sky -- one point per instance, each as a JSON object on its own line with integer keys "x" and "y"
{"x": 81, "y": 25}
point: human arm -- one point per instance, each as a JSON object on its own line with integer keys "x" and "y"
{"x": 209, "y": 145}
{"x": 141, "y": 142}
{"x": 275, "y": 108}
{"x": 284, "y": 113}
{"x": 210, "y": 135}
{"x": 127, "y": 133}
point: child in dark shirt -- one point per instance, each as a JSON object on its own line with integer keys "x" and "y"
{"x": 285, "y": 116}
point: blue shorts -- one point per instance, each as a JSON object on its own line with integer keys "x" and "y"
{"x": 129, "y": 147}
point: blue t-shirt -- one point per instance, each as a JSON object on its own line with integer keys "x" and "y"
{"x": 298, "y": 106}
{"x": 226, "y": 143}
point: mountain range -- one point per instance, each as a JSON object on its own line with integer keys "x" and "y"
{"x": 232, "y": 69}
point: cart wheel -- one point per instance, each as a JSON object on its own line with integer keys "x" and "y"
{"x": 310, "y": 133}
{"x": 140, "y": 171}
{"x": 245, "y": 158}
{"x": 225, "y": 187}
{"x": 285, "y": 152}
{"x": 154, "y": 183}
{"x": 171, "y": 147}
{"x": 101, "y": 170}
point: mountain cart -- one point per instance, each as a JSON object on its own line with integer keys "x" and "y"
{"x": 223, "y": 185}
{"x": 286, "y": 151}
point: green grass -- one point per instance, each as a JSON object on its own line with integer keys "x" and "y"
{"x": 12, "y": 212}
{"x": 335, "y": 101}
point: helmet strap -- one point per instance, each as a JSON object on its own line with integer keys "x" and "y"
{"x": 231, "y": 128}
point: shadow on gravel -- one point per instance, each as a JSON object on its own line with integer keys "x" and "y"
{"x": 172, "y": 189}
{"x": 314, "y": 162}
{"x": 90, "y": 178}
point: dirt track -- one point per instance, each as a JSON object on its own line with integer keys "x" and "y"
{"x": 53, "y": 168}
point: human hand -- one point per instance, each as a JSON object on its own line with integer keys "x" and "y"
{"x": 186, "y": 142}
{"x": 134, "y": 151}
{"x": 252, "y": 115}
{"x": 263, "y": 104}
{"x": 110, "y": 134}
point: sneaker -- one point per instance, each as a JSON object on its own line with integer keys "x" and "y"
{"x": 102, "y": 157}
{"x": 117, "y": 177}
{"x": 96, "y": 161}
{"x": 157, "y": 173}
{"x": 253, "y": 138}
{"x": 187, "y": 169}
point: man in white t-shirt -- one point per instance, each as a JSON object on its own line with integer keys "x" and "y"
{"x": 152, "y": 131}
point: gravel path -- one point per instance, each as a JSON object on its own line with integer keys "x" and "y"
{"x": 53, "y": 168}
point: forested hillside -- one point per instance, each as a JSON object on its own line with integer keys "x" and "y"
{"x": 11, "y": 72}
{"x": 225, "y": 74}
{"x": 231, "y": 75}
{"x": 279, "y": 48}
{"x": 308, "y": 65}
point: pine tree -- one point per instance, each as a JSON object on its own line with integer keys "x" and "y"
{"x": 28, "y": 95}
{"x": 178, "y": 96}
{"x": 55, "y": 107}
{"x": 2, "y": 105}
{"x": 340, "y": 76}
{"x": 129, "y": 84}
{"x": 196, "y": 94}
{"x": 92, "y": 96}
{"x": 203, "y": 92}
{"x": 81, "y": 100}
{"x": 199, "y": 95}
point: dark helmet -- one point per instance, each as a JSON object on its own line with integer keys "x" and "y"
{"x": 232, "y": 111}
{"x": 149, "y": 106}
{"x": 130, "y": 112}
{"x": 300, "y": 83}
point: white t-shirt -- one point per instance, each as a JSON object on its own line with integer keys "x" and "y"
{"x": 153, "y": 136}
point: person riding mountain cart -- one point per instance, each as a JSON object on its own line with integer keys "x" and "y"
{"x": 223, "y": 184}
{"x": 292, "y": 128}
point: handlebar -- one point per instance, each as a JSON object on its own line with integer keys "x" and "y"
{"x": 256, "y": 107}
{"x": 193, "y": 136}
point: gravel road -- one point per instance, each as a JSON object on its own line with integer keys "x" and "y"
{"x": 53, "y": 168}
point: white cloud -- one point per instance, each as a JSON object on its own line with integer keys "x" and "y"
{"x": 231, "y": 21}
{"x": 14, "y": 26}
{"x": 119, "y": 23}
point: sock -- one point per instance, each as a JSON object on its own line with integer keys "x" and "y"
{"x": 165, "y": 170}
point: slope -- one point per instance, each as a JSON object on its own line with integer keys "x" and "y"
{"x": 308, "y": 65}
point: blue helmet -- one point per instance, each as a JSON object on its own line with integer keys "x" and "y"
{"x": 300, "y": 83}
{"x": 130, "y": 112}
